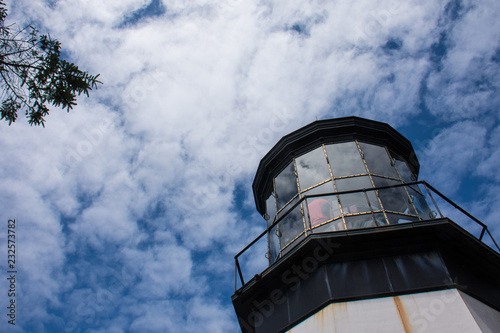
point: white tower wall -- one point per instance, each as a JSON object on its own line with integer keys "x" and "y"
{"x": 430, "y": 312}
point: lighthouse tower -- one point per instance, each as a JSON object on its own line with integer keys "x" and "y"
{"x": 355, "y": 243}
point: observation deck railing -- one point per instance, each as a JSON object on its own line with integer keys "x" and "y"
{"x": 253, "y": 261}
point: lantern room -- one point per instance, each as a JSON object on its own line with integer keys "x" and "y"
{"x": 337, "y": 174}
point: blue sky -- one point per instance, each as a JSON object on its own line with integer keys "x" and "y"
{"x": 131, "y": 207}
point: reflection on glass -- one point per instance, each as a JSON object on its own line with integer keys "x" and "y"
{"x": 289, "y": 247}
{"x": 270, "y": 209}
{"x": 377, "y": 160}
{"x": 274, "y": 245}
{"x": 323, "y": 188}
{"x": 312, "y": 168}
{"x": 335, "y": 225}
{"x": 360, "y": 221}
{"x": 354, "y": 203}
{"x": 345, "y": 159}
{"x": 419, "y": 202}
{"x": 286, "y": 185}
{"x": 405, "y": 173}
{"x": 290, "y": 226}
{"x": 396, "y": 218}
{"x": 380, "y": 219}
{"x": 395, "y": 198}
{"x": 284, "y": 210}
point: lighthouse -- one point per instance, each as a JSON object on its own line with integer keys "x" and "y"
{"x": 354, "y": 242}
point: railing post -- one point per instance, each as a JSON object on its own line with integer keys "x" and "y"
{"x": 239, "y": 271}
{"x": 432, "y": 198}
{"x": 482, "y": 234}
{"x": 493, "y": 239}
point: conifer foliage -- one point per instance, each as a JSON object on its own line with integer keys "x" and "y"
{"x": 33, "y": 76}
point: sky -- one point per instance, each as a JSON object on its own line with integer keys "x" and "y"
{"x": 130, "y": 208}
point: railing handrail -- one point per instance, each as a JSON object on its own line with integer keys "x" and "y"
{"x": 305, "y": 197}
{"x": 454, "y": 205}
{"x": 485, "y": 227}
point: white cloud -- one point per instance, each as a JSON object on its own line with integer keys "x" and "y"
{"x": 136, "y": 184}
{"x": 451, "y": 154}
{"x": 489, "y": 166}
{"x": 466, "y": 86}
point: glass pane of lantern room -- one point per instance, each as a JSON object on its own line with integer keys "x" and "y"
{"x": 291, "y": 226}
{"x": 323, "y": 209}
{"x": 360, "y": 221}
{"x": 394, "y": 199}
{"x": 312, "y": 168}
{"x": 323, "y": 188}
{"x": 274, "y": 243}
{"x": 377, "y": 160}
{"x": 353, "y": 203}
{"x": 270, "y": 209}
{"x": 405, "y": 173}
{"x": 420, "y": 203}
{"x": 286, "y": 186}
{"x": 345, "y": 159}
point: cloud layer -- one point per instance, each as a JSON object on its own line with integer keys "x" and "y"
{"x": 131, "y": 207}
